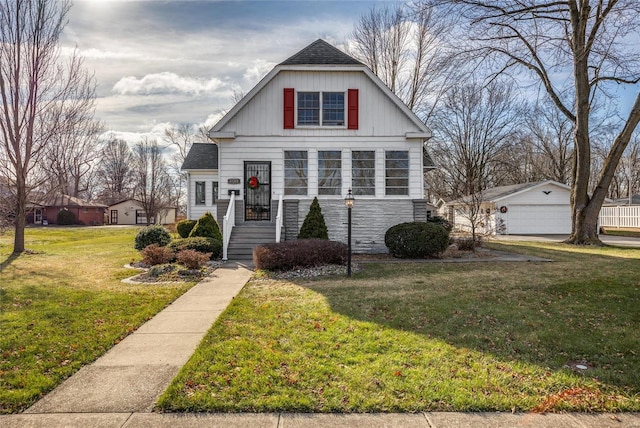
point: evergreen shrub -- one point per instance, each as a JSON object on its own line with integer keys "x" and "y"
{"x": 152, "y": 235}
{"x": 314, "y": 225}
{"x": 206, "y": 226}
{"x": 65, "y": 218}
{"x": 287, "y": 255}
{"x": 441, "y": 221}
{"x": 200, "y": 244}
{"x": 416, "y": 240}
{"x": 184, "y": 227}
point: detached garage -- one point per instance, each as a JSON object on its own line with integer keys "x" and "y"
{"x": 520, "y": 209}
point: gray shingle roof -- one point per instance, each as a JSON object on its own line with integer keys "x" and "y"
{"x": 321, "y": 53}
{"x": 490, "y": 195}
{"x": 202, "y": 156}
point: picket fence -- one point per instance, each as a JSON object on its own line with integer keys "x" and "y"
{"x": 622, "y": 216}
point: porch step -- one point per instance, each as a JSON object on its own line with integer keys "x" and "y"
{"x": 245, "y": 237}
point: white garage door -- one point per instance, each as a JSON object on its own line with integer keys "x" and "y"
{"x": 538, "y": 219}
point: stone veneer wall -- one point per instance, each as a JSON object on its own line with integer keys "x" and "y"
{"x": 370, "y": 219}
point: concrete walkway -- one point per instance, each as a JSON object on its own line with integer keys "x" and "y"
{"x": 119, "y": 389}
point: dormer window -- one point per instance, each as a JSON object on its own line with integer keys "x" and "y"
{"x": 321, "y": 108}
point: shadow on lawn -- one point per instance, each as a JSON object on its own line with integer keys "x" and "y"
{"x": 581, "y": 310}
{"x": 10, "y": 259}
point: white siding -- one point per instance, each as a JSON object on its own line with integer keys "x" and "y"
{"x": 196, "y": 211}
{"x": 377, "y": 114}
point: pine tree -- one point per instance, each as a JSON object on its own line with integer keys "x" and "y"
{"x": 314, "y": 225}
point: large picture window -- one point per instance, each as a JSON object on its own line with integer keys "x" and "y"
{"x": 363, "y": 173}
{"x": 316, "y": 108}
{"x": 396, "y": 164}
{"x": 296, "y": 164}
{"x": 200, "y": 192}
{"x": 329, "y": 172}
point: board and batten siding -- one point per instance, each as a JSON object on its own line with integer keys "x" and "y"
{"x": 378, "y": 116}
{"x": 196, "y": 211}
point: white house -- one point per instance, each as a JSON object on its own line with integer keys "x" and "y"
{"x": 319, "y": 124}
{"x": 521, "y": 209}
{"x": 131, "y": 212}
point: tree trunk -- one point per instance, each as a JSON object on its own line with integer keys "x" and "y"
{"x": 21, "y": 216}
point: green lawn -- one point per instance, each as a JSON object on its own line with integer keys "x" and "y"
{"x": 62, "y": 305}
{"x": 417, "y": 337}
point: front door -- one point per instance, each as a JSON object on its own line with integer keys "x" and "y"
{"x": 257, "y": 191}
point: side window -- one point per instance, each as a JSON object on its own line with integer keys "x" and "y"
{"x": 396, "y": 164}
{"x": 333, "y": 109}
{"x": 329, "y": 172}
{"x": 296, "y": 165}
{"x": 308, "y": 108}
{"x": 215, "y": 191}
{"x": 200, "y": 192}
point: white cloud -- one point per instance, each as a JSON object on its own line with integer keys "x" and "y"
{"x": 166, "y": 83}
{"x": 256, "y": 71}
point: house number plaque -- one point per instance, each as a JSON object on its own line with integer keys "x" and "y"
{"x": 233, "y": 181}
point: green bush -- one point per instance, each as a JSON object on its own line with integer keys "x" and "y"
{"x": 65, "y": 217}
{"x": 207, "y": 227}
{"x": 199, "y": 244}
{"x": 416, "y": 240}
{"x": 184, "y": 227}
{"x": 301, "y": 253}
{"x": 314, "y": 225}
{"x": 152, "y": 235}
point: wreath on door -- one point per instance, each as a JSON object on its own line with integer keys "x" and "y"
{"x": 253, "y": 182}
{"x": 503, "y": 209}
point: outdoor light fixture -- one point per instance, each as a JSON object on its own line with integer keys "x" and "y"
{"x": 348, "y": 201}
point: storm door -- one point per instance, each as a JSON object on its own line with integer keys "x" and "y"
{"x": 257, "y": 191}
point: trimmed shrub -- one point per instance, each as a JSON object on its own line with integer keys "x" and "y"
{"x": 192, "y": 259}
{"x": 442, "y": 222}
{"x": 157, "y": 255}
{"x": 465, "y": 243}
{"x": 184, "y": 227}
{"x": 206, "y": 226}
{"x": 301, "y": 253}
{"x": 314, "y": 225}
{"x": 152, "y": 235}
{"x": 65, "y": 218}
{"x": 199, "y": 244}
{"x": 416, "y": 240}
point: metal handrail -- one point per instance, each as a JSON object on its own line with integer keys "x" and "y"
{"x": 228, "y": 223}
{"x": 279, "y": 219}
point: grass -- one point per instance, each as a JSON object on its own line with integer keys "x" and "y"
{"x": 62, "y": 305}
{"x": 429, "y": 337}
{"x": 633, "y": 233}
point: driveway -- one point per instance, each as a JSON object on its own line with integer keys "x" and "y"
{"x": 607, "y": 239}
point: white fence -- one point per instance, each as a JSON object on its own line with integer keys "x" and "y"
{"x": 620, "y": 216}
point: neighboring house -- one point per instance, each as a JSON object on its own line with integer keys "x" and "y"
{"x": 46, "y": 212}
{"x": 521, "y": 209}
{"x": 131, "y": 212}
{"x": 320, "y": 123}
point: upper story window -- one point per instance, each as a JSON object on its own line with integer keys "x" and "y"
{"x": 316, "y": 108}
{"x": 396, "y": 164}
{"x": 295, "y": 172}
{"x": 363, "y": 172}
{"x": 329, "y": 172}
{"x": 200, "y": 195}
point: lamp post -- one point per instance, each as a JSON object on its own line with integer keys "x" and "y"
{"x": 348, "y": 201}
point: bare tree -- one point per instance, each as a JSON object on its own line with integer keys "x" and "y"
{"x": 152, "y": 180}
{"x": 37, "y": 91}
{"x": 115, "y": 171}
{"x": 402, "y": 44}
{"x": 589, "y": 39}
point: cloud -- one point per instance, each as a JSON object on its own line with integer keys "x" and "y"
{"x": 167, "y": 83}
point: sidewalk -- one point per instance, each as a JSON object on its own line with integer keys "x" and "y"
{"x": 119, "y": 389}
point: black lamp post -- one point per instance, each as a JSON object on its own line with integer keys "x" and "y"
{"x": 348, "y": 201}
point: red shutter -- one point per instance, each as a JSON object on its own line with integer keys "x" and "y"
{"x": 289, "y": 108}
{"x": 352, "y": 102}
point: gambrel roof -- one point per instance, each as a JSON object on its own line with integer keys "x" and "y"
{"x": 201, "y": 156}
{"x": 321, "y": 56}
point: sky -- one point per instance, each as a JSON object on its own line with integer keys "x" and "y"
{"x": 159, "y": 63}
